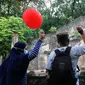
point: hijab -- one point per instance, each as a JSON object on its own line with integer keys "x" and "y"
{"x": 16, "y": 64}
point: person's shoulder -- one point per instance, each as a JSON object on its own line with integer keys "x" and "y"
{"x": 75, "y": 49}
{"x": 75, "y": 46}
{"x": 52, "y": 52}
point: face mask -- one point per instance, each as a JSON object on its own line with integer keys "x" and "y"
{"x": 26, "y": 51}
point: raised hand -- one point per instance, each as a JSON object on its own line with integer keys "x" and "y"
{"x": 80, "y": 30}
{"x": 42, "y": 35}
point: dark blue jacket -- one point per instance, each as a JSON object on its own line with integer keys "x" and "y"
{"x": 13, "y": 69}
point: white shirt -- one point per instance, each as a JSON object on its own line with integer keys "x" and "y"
{"x": 75, "y": 52}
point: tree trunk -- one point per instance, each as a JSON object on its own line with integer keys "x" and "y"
{"x": 14, "y": 39}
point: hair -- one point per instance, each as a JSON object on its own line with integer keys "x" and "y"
{"x": 63, "y": 39}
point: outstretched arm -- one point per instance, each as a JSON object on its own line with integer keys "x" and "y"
{"x": 79, "y": 50}
{"x": 35, "y": 51}
{"x": 80, "y": 30}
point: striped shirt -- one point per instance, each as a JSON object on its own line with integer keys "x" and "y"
{"x": 35, "y": 50}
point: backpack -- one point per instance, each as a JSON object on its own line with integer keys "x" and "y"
{"x": 62, "y": 72}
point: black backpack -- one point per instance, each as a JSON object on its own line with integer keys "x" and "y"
{"x": 62, "y": 72}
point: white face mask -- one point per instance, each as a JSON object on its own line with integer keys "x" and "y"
{"x": 26, "y": 51}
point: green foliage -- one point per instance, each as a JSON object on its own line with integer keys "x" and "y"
{"x": 10, "y": 25}
{"x": 5, "y": 37}
{"x": 46, "y": 24}
{"x": 52, "y": 29}
{"x": 13, "y": 7}
{"x": 59, "y": 13}
{"x": 30, "y": 34}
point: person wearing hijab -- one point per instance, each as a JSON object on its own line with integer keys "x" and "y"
{"x": 13, "y": 69}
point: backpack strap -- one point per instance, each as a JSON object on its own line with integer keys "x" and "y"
{"x": 57, "y": 52}
{"x": 70, "y": 60}
{"x": 68, "y": 50}
{"x": 78, "y": 68}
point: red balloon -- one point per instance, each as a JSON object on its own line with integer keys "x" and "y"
{"x": 32, "y": 18}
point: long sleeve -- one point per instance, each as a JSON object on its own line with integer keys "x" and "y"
{"x": 50, "y": 60}
{"x": 78, "y": 50}
{"x": 35, "y": 50}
